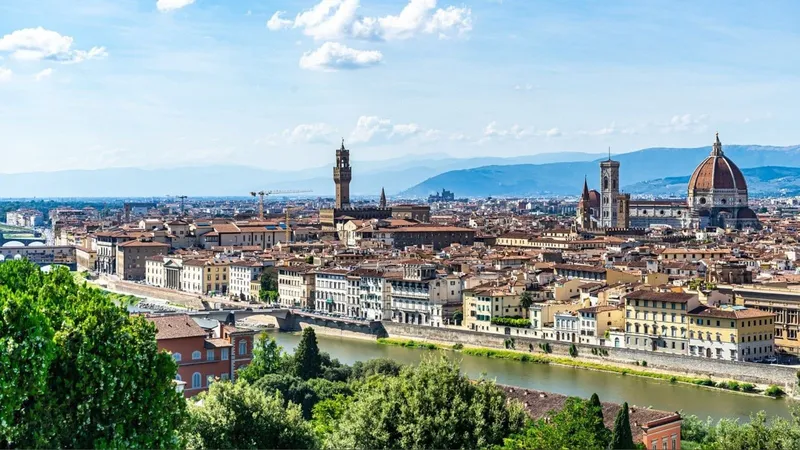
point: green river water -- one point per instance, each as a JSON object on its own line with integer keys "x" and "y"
{"x": 610, "y": 387}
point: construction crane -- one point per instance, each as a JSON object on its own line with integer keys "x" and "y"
{"x": 286, "y": 223}
{"x": 183, "y": 203}
{"x": 262, "y": 194}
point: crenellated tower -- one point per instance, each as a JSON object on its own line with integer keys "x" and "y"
{"x": 342, "y": 174}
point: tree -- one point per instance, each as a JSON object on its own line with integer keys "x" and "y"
{"x": 269, "y": 284}
{"x": 238, "y": 415}
{"x": 602, "y": 434}
{"x": 268, "y": 357}
{"x": 378, "y": 366}
{"x": 458, "y": 316}
{"x": 429, "y": 406}
{"x": 307, "y": 362}
{"x": 576, "y": 425}
{"x": 327, "y": 413}
{"x": 97, "y": 379}
{"x": 621, "y": 437}
{"x": 525, "y": 301}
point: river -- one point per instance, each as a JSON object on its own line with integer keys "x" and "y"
{"x": 610, "y": 387}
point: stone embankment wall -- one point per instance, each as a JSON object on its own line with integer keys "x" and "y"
{"x": 187, "y": 300}
{"x": 678, "y": 364}
{"x": 334, "y": 327}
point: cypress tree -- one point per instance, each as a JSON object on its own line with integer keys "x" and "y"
{"x": 307, "y": 362}
{"x": 596, "y": 409}
{"x": 622, "y": 438}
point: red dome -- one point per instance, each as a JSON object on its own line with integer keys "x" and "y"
{"x": 717, "y": 172}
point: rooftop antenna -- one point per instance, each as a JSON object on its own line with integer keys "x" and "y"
{"x": 609, "y": 153}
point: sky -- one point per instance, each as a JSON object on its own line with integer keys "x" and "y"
{"x": 278, "y": 84}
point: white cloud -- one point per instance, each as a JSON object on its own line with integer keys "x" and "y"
{"x": 43, "y": 74}
{"x": 333, "y": 56}
{"x": 515, "y": 132}
{"x": 338, "y": 19}
{"x": 310, "y": 133}
{"x": 171, "y": 5}
{"x": 553, "y": 132}
{"x": 370, "y": 128}
{"x": 5, "y": 74}
{"x": 277, "y": 23}
{"x": 523, "y": 87}
{"x": 612, "y": 129}
{"x": 34, "y": 44}
{"x": 686, "y": 122}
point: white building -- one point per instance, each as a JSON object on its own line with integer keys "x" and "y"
{"x": 330, "y": 290}
{"x": 567, "y": 326}
{"x": 420, "y": 298}
{"x": 374, "y": 295}
{"x": 242, "y": 273}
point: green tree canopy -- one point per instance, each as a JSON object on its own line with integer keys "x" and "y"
{"x": 238, "y": 415}
{"x": 578, "y": 425}
{"x": 525, "y": 301}
{"x": 268, "y": 357}
{"x": 93, "y": 375}
{"x": 307, "y": 362}
{"x": 429, "y": 406}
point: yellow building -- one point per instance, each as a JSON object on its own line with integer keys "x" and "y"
{"x": 731, "y": 332}
{"x": 483, "y": 303}
{"x": 657, "y": 321}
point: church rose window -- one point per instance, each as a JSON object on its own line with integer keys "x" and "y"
{"x": 702, "y": 200}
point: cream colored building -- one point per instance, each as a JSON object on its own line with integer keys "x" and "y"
{"x": 486, "y": 302}
{"x": 731, "y": 332}
{"x": 296, "y": 286}
{"x": 657, "y": 321}
{"x": 596, "y": 320}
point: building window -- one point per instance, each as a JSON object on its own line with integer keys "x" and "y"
{"x": 225, "y": 377}
{"x": 210, "y": 355}
{"x": 242, "y": 347}
{"x": 176, "y": 357}
{"x": 210, "y": 381}
{"x": 196, "y": 355}
{"x": 178, "y": 377}
{"x": 224, "y": 354}
{"x": 197, "y": 380}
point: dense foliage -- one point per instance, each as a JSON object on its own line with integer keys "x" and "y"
{"x": 621, "y": 439}
{"x": 729, "y": 434}
{"x": 511, "y": 322}
{"x": 78, "y": 371}
{"x": 578, "y": 425}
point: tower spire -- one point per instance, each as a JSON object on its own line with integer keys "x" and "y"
{"x": 585, "y": 194}
{"x": 609, "y": 153}
{"x": 716, "y": 150}
{"x": 383, "y": 199}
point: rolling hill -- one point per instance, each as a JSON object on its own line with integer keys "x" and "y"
{"x": 761, "y": 181}
{"x": 566, "y": 178}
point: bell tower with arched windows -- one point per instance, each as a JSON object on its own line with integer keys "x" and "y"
{"x": 609, "y": 192}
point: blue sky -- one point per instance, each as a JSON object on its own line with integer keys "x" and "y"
{"x": 153, "y": 83}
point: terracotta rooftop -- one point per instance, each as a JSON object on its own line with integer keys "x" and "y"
{"x": 729, "y": 313}
{"x": 176, "y": 327}
{"x": 660, "y": 296}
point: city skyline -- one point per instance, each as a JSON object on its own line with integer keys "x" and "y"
{"x": 161, "y": 83}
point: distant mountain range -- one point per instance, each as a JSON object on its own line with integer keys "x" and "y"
{"x": 770, "y": 180}
{"x": 368, "y": 178}
{"x": 566, "y": 178}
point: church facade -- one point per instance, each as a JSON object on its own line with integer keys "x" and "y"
{"x": 716, "y": 197}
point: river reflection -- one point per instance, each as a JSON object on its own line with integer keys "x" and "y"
{"x": 564, "y": 380}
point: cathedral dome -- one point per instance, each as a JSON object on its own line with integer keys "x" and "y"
{"x": 717, "y": 172}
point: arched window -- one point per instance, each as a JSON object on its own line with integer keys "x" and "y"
{"x": 614, "y": 184}
{"x": 178, "y": 377}
{"x": 196, "y": 354}
{"x": 197, "y": 380}
{"x": 605, "y": 182}
{"x": 176, "y": 357}
{"x": 242, "y": 347}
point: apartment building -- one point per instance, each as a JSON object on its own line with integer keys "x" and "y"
{"x": 330, "y": 290}
{"x": 132, "y": 256}
{"x": 296, "y": 286}
{"x": 486, "y": 302}
{"x": 420, "y": 297}
{"x": 782, "y": 301}
{"x": 374, "y": 295}
{"x": 731, "y": 332}
{"x": 242, "y": 274}
{"x": 205, "y": 276}
{"x": 596, "y": 320}
{"x": 657, "y": 321}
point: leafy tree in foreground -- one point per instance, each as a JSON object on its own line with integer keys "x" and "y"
{"x": 577, "y": 425}
{"x": 429, "y": 406}
{"x": 238, "y": 415}
{"x": 97, "y": 379}
{"x": 602, "y": 434}
{"x": 622, "y": 439}
{"x": 307, "y": 362}
{"x": 268, "y": 357}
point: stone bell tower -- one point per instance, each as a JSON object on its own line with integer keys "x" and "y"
{"x": 609, "y": 192}
{"x": 342, "y": 174}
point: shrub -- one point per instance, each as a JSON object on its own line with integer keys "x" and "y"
{"x": 516, "y": 322}
{"x": 747, "y": 387}
{"x": 573, "y": 351}
{"x": 704, "y": 382}
{"x": 594, "y": 351}
{"x": 637, "y": 363}
{"x": 644, "y": 363}
{"x": 458, "y": 346}
{"x": 733, "y": 385}
{"x": 672, "y": 379}
{"x": 774, "y": 391}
